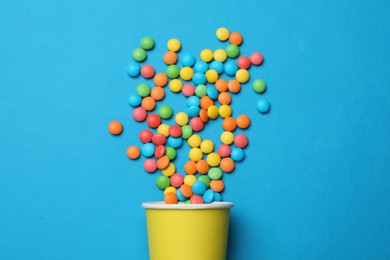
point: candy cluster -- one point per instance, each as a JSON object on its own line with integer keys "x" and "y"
{"x": 209, "y": 95}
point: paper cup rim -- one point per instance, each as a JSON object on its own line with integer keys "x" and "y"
{"x": 181, "y": 205}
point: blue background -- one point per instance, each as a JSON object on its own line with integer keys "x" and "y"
{"x": 315, "y": 183}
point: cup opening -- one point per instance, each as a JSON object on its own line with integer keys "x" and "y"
{"x": 181, "y": 205}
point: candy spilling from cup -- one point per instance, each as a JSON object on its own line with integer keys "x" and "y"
{"x": 209, "y": 84}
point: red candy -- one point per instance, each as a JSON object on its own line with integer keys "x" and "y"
{"x": 153, "y": 120}
{"x": 159, "y": 139}
{"x": 244, "y": 62}
{"x": 159, "y": 151}
{"x": 145, "y": 136}
{"x": 177, "y": 180}
{"x": 256, "y": 58}
{"x": 196, "y": 124}
{"x": 224, "y": 150}
{"x": 175, "y": 131}
{"x": 196, "y": 199}
{"x": 150, "y": 165}
{"x": 241, "y": 140}
{"x": 147, "y": 71}
{"x": 139, "y": 114}
{"x": 188, "y": 90}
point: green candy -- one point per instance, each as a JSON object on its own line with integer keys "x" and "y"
{"x": 139, "y": 54}
{"x": 232, "y": 51}
{"x": 259, "y": 86}
{"x": 186, "y": 131}
{"x": 187, "y": 202}
{"x": 215, "y": 173}
{"x": 205, "y": 179}
{"x": 173, "y": 71}
{"x": 162, "y": 182}
{"x": 201, "y": 90}
{"x": 147, "y": 43}
{"x": 170, "y": 152}
{"x": 143, "y": 90}
{"x": 165, "y": 112}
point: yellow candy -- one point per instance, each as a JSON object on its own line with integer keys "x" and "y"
{"x": 189, "y": 179}
{"x": 181, "y": 119}
{"x": 170, "y": 189}
{"x": 170, "y": 170}
{"x": 206, "y": 55}
{"x": 225, "y": 111}
{"x": 213, "y": 159}
{"x": 220, "y": 55}
{"x": 186, "y": 73}
{"x": 227, "y": 137}
{"x": 222, "y": 34}
{"x": 213, "y": 112}
{"x": 207, "y": 146}
{"x": 194, "y": 141}
{"x": 195, "y": 154}
{"x": 242, "y": 75}
{"x": 175, "y": 85}
{"x": 211, "y": 76}
{"x": 173, "y": 45}
{"x": 163, "y": 129}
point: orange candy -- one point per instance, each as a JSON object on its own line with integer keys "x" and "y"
{"x": 224, "y": 98}
{"x": 133, "y": 152}
{"x": 206, "y": 102}
{"x": 234, "y": 86}
{"x": 160, "y": 79}
{"x": 115, "y": 128}
{"x": 186, "y": 190}
{"x": 217, "y": 185}
{"x": 157, "y": 93}
{"x": 148, "y": 103}
{"x": 227, "y": 164}
{"x": 170, "y": 57}
{"x": 190, "y": 167}
{"x": 163, "y": 162}
{"x": 170, "y": 198}
{"x": 202, "y": 166}
{"x": 243, "y": 121}
{"x": 235, "y": 38}
{"x": 203, "y": 115}
{"x": 229, "y": 124}
{"x": 221, "y": 85}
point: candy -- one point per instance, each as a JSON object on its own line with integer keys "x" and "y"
{"x": 147, "y": 71}
{"x": 217, "y": 196}
{"x": 170, "y": 198}
{"x": 186, "y": 73}
{"x": 235, "y": 38}
{"x": 143, "y": 90}
{"x": 147, "y": 43}
{"x": 229, "y": 124}
{"x": 163, "y": 129}
{"x": 180, "y": 196}
{"x": 181, "y": 118}
{"x": 259, "y": 86}
{"x": 173, "y": 45}
{"x": 212, "y": 92}
{"x": 170, "y": 152}
{"x": 169, "y": 171}
{"x": 175, "y": 131}
{"x": 159, "y": 151}
{"x": 244, "y": 62}
{"x": 196, "y": 199}
{"x": 213, "y": 112}
{"x": 159, "y": 139}
{"x": 195, "y": 154}
{"x": 150, "y": 165}
{"x": 194, "y": 141}
{"x": 234, "y": 86}
{"x": 242, "y": 75}
{"x": 256, "y": 58}
{"x": 139, "y": 54}
{"x": 227, "y": 164}
{"x": 157, "y": 93}
{"x": 203, "y": 115}
{"x": 133, "y": 152}
{"x": 133, "y": 69}
{"x": 217, "y": 66}
{"x": 148, "y": 103}
{"x": 222, "y": 34}
{"x": 115, "y": 128}
{"x": 139, "y": 114}
{"x": 147, "y": 149}
{"x": 162, "y": 182}
{"x": 206, "y": 102}
{"x": 186, "y": 131}
{"x": 193, "y": 111}
{"x": 188, "y": 90}
{"x": 241, "y": 141}
{"x": 207, "y": 146}
{"x": 175, "y": 142}
{"x": 199, "y": 187}
{"x": 224, "y": 151}
{"x": 220, "y": 55}
{"x": 243, "y": 121}
{"x": 199, "y": 78}
{"x": 201, "y": 90}
{"x": 208, "y": 196}
{"x": 217, "y": 185}
{"x": 227, "y": 137}
{"x": 173, "y": 71}
{"x": 221, "y": 85}
{"x": 190, "y": 167}
{"x": 163, "y": 162}
{"x": 145, "y": 136}
{"x": 165, "y": 112}
{"x": 186, "y": 190}
{"x": 153, "y": 120}
{"x": 196, "y": 124}
{"x": 177, "y": 180}
{"x": 190, "y": 179}
{"x": 160, "y": 79}
{"x": 263, "y": 105}
{"x": 187, "y": 59}
{"x": 230, "y": 67}
{"x": 206, "y": 55}
{"x": 237, "y": 154}
{"x": 205, "y": 179}
{"x": 193, "y": 101}
{"x": 175, "y": 85}
{"x": 224, "y": 98}
{"x": 215, "y": 174}
{"x": 170, "y": 58}
{"x": 134, "y": 100}
{"x": 201, "y": 66}
{"x": 232, "y": 51}
{"x": 170, "y": 189}
{"x": 202, "y": 166}
{"x": 213, "y": 159}
{"x": 225, "y": 111}
{"x": 211, "y": 76}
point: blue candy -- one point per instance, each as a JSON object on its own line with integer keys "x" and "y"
{"x": 201, "y": 66}
{"x": 133, "y": 69}
{"x": 147, "y": 149}
{"x": 180, "y": 196}
{"x": 199, "y": 187}
{"x": 262, "y": 105}
{"x": 175, "y": 142}
{"x": 193, "y": 111}
{"x": 217, "y": 66}
{"x": 199, "y": 78}
{"x": 193, "y": 101}
{"x": 187, "y": 59}
{"x": 208, "y": 196}
{"x": 217, "y": 196}
{"x": 212, "y": 92}
{"x": 237, "y": 154}
{"x": 231, "y": 67}
{"x": 134, "y": 100}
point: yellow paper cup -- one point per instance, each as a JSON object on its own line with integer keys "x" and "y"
{"x": 187, "y": 231}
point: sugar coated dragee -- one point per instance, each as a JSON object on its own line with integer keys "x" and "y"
{"x": 208, "y": 82}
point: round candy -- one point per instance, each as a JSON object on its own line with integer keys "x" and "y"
{"x": 263, "y": 105}
{"x": 186, "y": 131}
{"x": 170, "y": 189}
{"x": 217, "y": 185}
{"x": 157, "y": 93}
{"x": 227, "y": 164}
{"x": 241, "y": 141}
{"x": 180, "y": 196}
{"x": 186, "y": 73}
{"x": 147, "y": 43}
{"x": 139, "y": 114}
{"x": 146, "y": 136}
{"x": 159, "y": 139}
{"x": 193, "y": 101}
{"x": 190, "y": 167}
{"x": 217, "y": 196}
{"x": 208, "y": 196}
{"x": 199, "y": 78}
{"x": 147, "y": 150}
{"x": 211, "y": 76}
{"x": 162, "y": 182}
{"x": 201, "y": 90}
{"x": 173, "y": 71}
{"x": 163, "y": 162}
{"x": 259, "y": 86}
{"x": 187, "y": 59}
{"x": 133, "y": 152}
{"x": 221, "y": 85}
{"x": 115, "y": 128}
{"x": 160, "y": 79}
{"x": 181, "y": 118}
{"x": 170, "y": 198}
{"x": 165, "y": 112}
{"x": 196, "y": 124}
{"x": 205, "y": 179}
{"x": 202, "y": 167}
{"x": 195, "y": 154}
{"x": 199, "y": 187}
{"x": 232, "y": 51}
{"x": 212, "y": 92}
{"x": 237, "y": 154}
{"x": 220, "y": 55}
{"x": 213, "y": 159}
{"x": 173, "y": 45}
{"x": 186, "y": 190}
{"x": 256, "y": 58}
{"x": 224, "y": 98}
{"x": 206, "y": 102}
{"x": 159, "y": 151}
{"x": 242, "y": 75}
{"x": 134, "y": 100}
{"x": 243, "y": 121}
{"x": 201, "y": 66}
{"x": 175, "y": 85}
{"x": 139, "y": 54}
{"x": 203, "y": 115}
{"x": 193, "y": 111}
{"x": 170, "y": 58}
{"x": 188, "y": 90}
{"x": 206, "y": 55}
{"x": 230, "y": 67}
{"x": 235, "y": 38}
{"x": 217, "y": 66}
{"x": 150, "y": 165}
{"x": 175, "y": 142}
{"x": 213, "y": 112}
{"x": 227, "y": 137}
{"x": 215, "y": 173}
{"x": 147, "y": 71}
{"x": 224, "y": 151}
{"x": 177, "y": 180}
{"x": 229, "y": 124}
{"x": 170, "y": 170}
{"x": 133, "y": 69}
{"x": 196, "y": 199}
{"x": 143, "y": 90}
{"x": 234, "y": 86}
{"x": 194, "y": 141}
{"x": 163, "y": 129}
{"x": 148, "y": 103}
{"x": 175, "y": 131}
{"x": 222, "y": 34}
{"x": 225, "y": 111}
{"x": 170, "y": 152}
{"x": 153, "y": 120}
{"x": 207, "y": 146}
{"x": 190, "y": 179}
{"x": 244, "y": 62}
